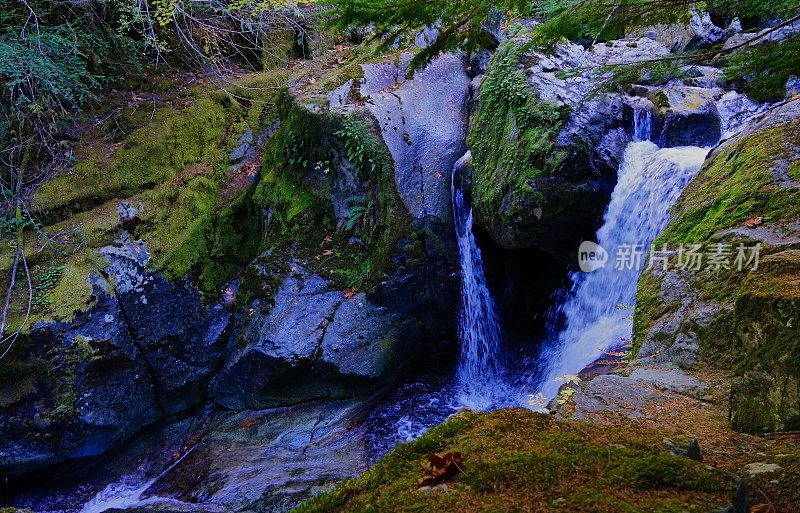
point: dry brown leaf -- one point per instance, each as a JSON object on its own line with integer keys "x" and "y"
{"x": 350, "y": 293}
{"x": 248, "y": 422}
{"x": 440, "y": 468}
{"x": 753, "y": 221}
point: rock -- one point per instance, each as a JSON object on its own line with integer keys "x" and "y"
{"x": 180, "y": 336}
{"x": 686, "y": 116}
{"x": 608, "y": 392}
{"x": 766, "y": 35}
{"x": 268, "y": 460}
{"x": 315, "y": 343}
{"x": 243, "y": 149}
{"x": 674, "y": 37}
{"x": 792, "y": 87}
{"x": 733, "y": 28}
{"x": 690, "y": 448}
{"x": 141, "y": 350}
{"x": 736, "y": 316}
{"x": 565, "y": 156}
{"x": 423, "y": 122}
{"x": 96, "y": 392}
{"x": 761, "y": 468}
{"x": 672, "y": 380}
{"x": 706, "y": 33}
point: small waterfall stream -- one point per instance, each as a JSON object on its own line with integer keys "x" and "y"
{"x": 480, "y": 369}
{"x": 598, "y": 311}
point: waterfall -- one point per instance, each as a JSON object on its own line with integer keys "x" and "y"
{"x": 480, "y": 370}
{"x": 598, "y": 311}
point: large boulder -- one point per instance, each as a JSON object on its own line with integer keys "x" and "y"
{"x": 180, "y": 336}
{"x": 143, "y": 349}
{"x": 747, "y": 194}
{"x": 81, "y": 388}
{"x": 319, "y": 343}
{"x": 686, "y": 116}
{"x": 423, "y": 122}
{"x": 546, "y": 150}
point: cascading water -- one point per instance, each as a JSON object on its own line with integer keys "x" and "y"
{"x": 480, "y": 370}
{"x": 597, "y": 313}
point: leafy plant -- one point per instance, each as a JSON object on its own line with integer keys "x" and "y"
{"x": 361, "y": 214}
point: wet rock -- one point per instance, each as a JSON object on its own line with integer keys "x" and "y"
{"x": 179, "y": 335}
{"x": 95, "y": 392}
{"x": 608, "y": 392}
{"x": 243, "y": 149}
{"x": 315, "y": 343}
{"x": 686, "y": 116}
{"x": 269, "y": 460}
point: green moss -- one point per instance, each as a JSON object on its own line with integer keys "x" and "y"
{"x": 73, "y": 291}
{"x": 648, "y": 308}
{"x": 151, "y": 155}
{"x": 301, "y": 158}
{"x": 660, "y": 101}
{"x": 794, "y": 171}
{"x": 65, "y": 365}
{"x": 735, "y": 184}
{"x": 512, "y": 140}
{"x": 514, "y": 459}
{"x": 753, "y": 332}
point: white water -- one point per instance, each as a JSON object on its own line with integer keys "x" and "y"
{"x": 480, "y": 374}
{"x": 127, "y": 493}
{"x": 598, "y": 312}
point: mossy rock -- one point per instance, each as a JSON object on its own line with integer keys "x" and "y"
{"x": 517, "y": 460}
{"x": 744, "y": 321}
{"x": 541, "y": 172}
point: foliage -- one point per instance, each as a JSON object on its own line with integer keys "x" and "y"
{"x": 460, "y": 22}
{"x": 764, "y": 69}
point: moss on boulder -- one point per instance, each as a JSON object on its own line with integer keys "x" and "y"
{"x": 517, "y": 460}
{"x": 738, "y": 320}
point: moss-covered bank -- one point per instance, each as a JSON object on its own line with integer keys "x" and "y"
{"x": 517, "y": 460}
{"x": 743, "y": 321}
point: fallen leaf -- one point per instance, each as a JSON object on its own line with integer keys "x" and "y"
{"x": 753, "y": 221}
{"x": 248, "y": 422}
{"x": 350, "y": 293}
{"x": 440, "y": 468}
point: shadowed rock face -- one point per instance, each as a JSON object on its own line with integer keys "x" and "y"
{"x": 145, "y": 349}
{"x": 316, "y": 343}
